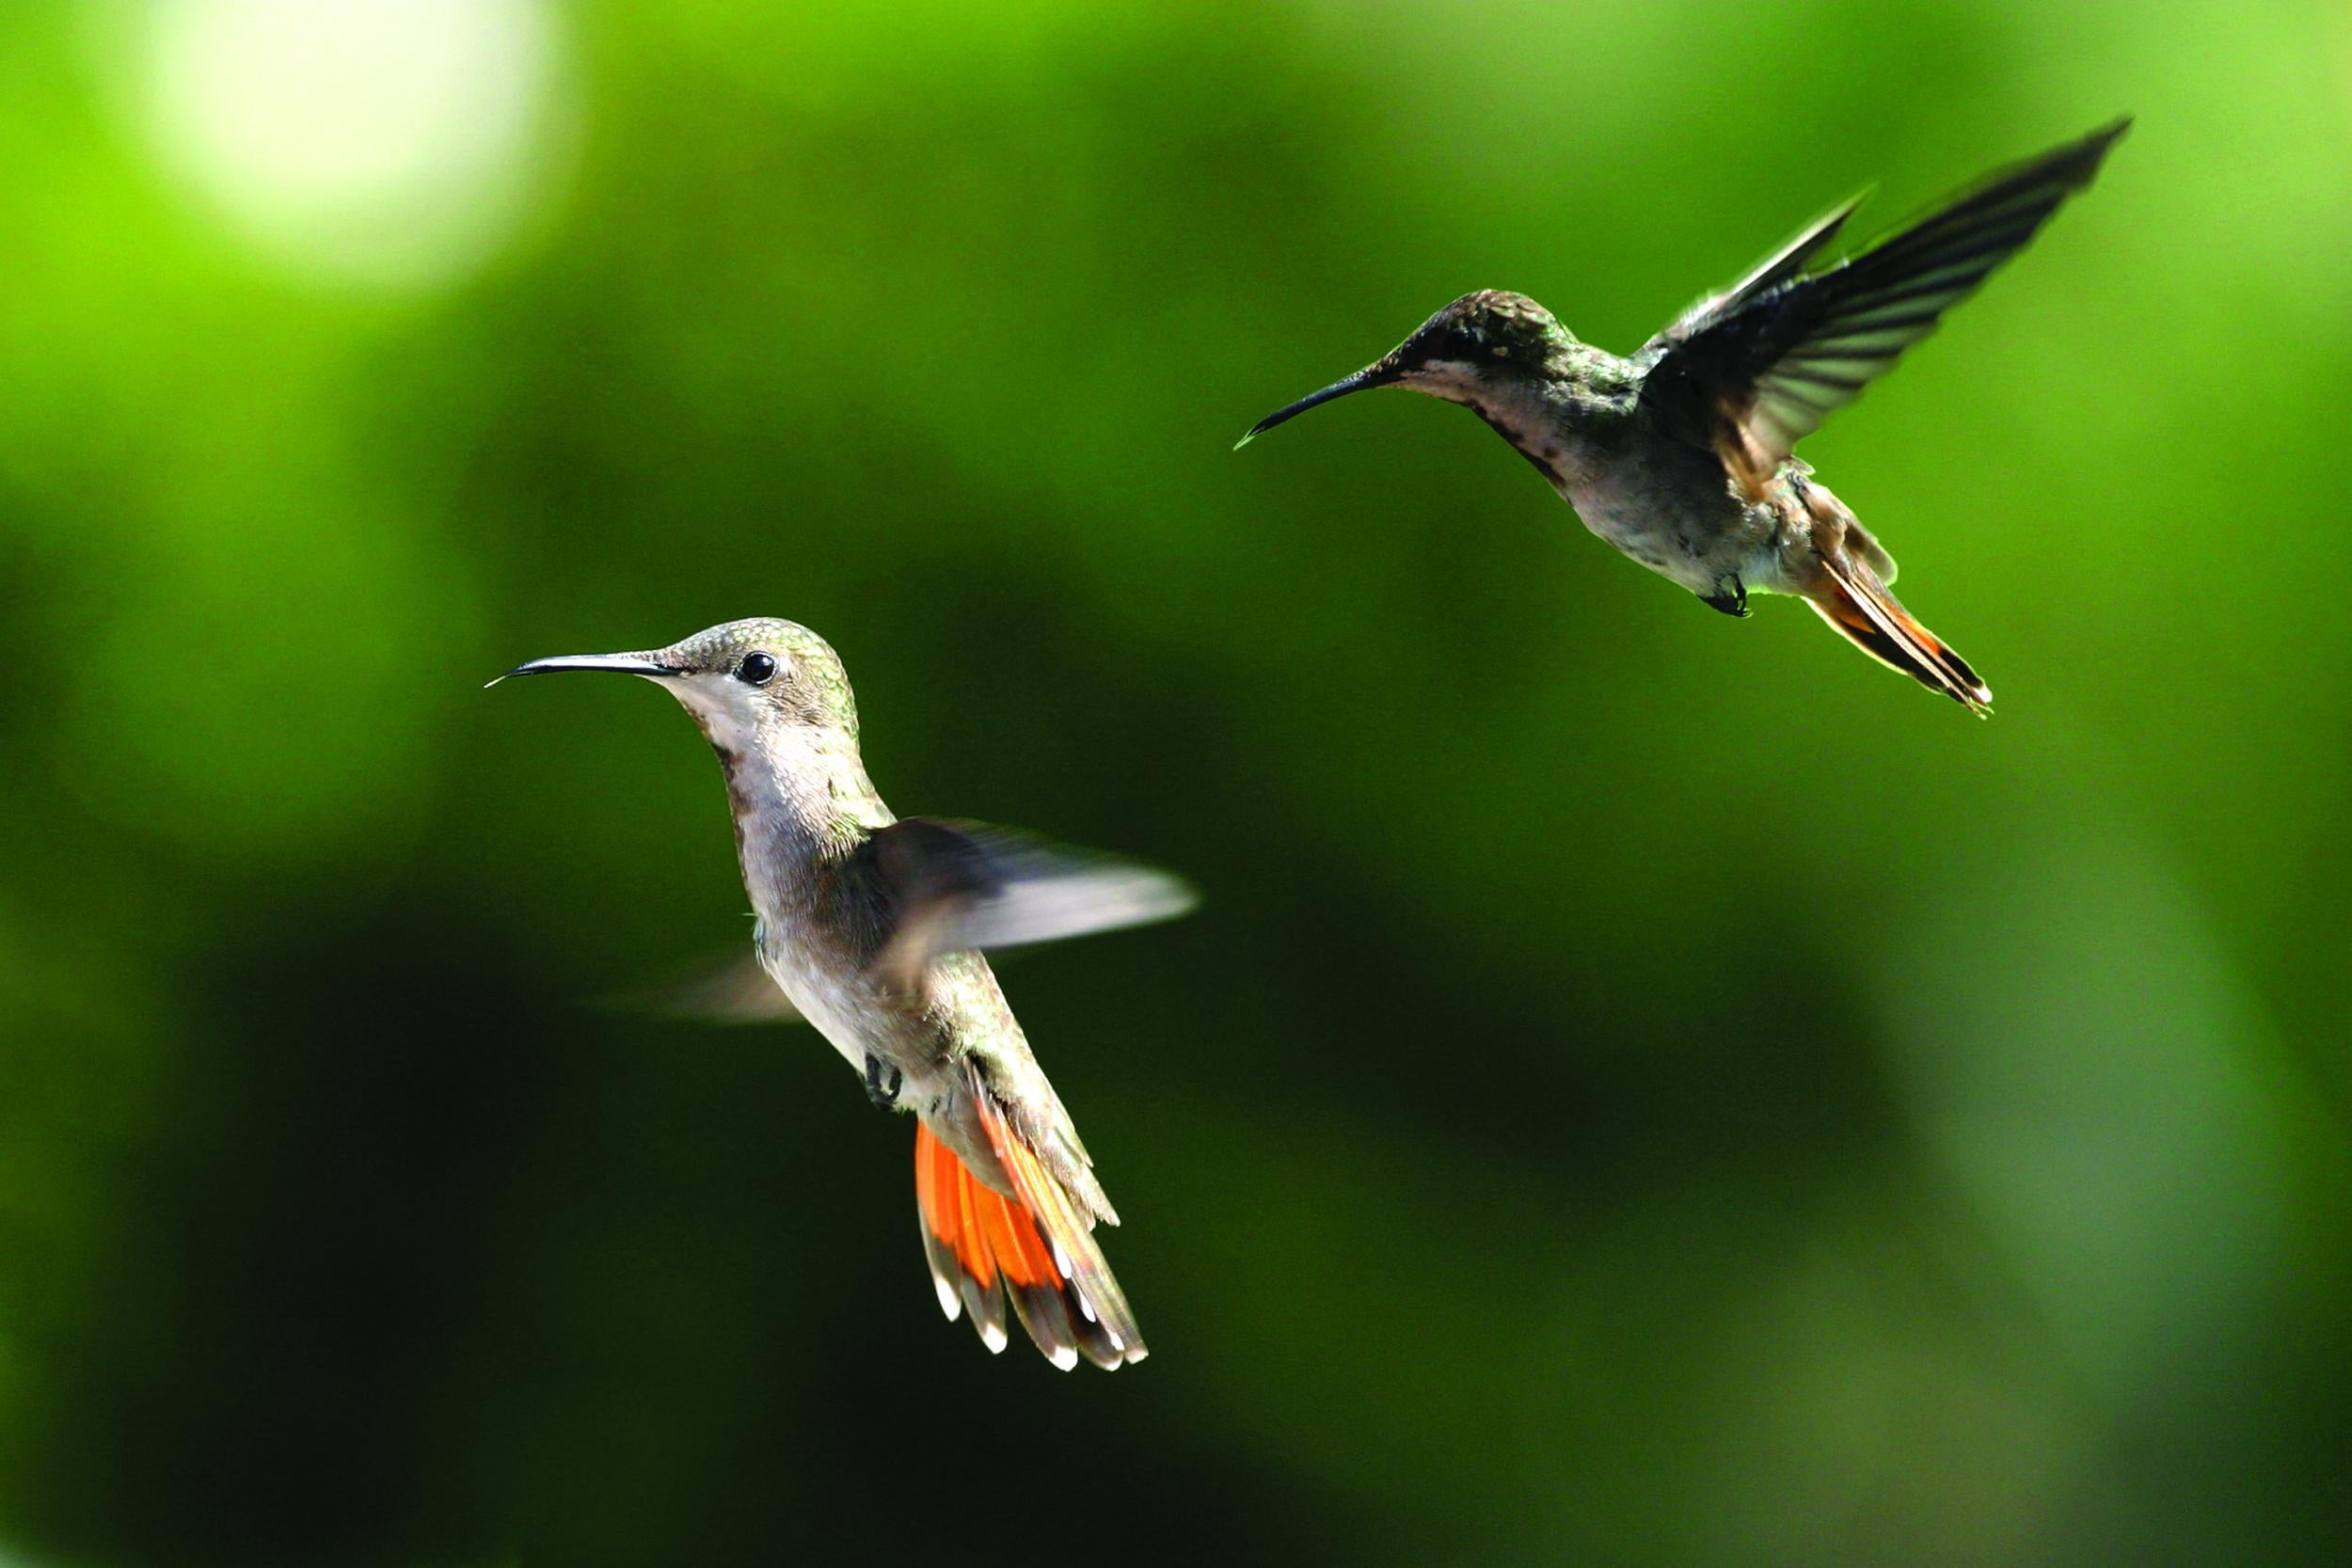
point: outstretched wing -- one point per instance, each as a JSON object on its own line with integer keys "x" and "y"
{"x": 1753, "y": 374}
{"x": 952, "y": 887}
{"x": 1777, "y": 268}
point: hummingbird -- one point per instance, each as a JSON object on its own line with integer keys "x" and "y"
{"x": 1682, "y": 456}
{"x": 872, "y": 928}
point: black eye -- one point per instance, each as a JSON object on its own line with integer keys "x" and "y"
{"x": 756, "y": 669}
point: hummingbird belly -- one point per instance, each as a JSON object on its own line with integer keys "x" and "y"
{"x": 860, "y": 1019}
{"x": 1683, "y": 520}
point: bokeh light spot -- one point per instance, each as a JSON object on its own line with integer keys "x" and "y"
{"x": 391, "y": 142}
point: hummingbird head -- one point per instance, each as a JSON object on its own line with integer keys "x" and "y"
{"x": 1475, "y": 345}
{"x": 744, "y": 682}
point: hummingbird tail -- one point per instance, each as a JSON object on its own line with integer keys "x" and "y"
{"x": 1858, "y": 606}
{"x": 1035, "y": 1246}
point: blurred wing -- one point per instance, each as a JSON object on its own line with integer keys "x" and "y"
{"x": 943, "y": 887}
{"x": 953, "y": 887}
{"x": 1757, "y": 372}
{"x": 737, "y": 990}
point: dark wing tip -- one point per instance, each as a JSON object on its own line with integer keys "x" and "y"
{"x": 2080, "y": 160}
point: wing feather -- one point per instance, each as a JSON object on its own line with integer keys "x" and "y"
{"x": 1756, "y": 372}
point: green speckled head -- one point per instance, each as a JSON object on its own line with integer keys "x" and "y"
{"x": 1492, "y": 329}
{"x": 767, "y": 664}
{"x": 771, "y": 698}
{"x": 738, "y": 679}
{"x": 1489, "y": 339}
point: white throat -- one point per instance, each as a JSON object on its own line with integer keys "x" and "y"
{"x": 1520, "y": 409}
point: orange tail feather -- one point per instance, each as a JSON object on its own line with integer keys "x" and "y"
{"x": 978, "y": 1239}
{"x": 1859, "y": 607}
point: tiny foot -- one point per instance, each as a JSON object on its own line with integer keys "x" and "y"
{"x": 1729, "y": 598}
{"x": 884, "y": 1094}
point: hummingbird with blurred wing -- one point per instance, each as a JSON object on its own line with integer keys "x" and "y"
{"x": 871, "y": 928}
{"x": 1682, "y": 456}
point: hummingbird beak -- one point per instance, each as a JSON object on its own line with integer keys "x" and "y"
{"x": 1387, "y": 371}
{"x": 646, "y": 665}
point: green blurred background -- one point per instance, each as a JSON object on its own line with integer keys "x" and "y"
{"x": 1644, "y": 1089}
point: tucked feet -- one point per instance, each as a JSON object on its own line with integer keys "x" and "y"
{"x": 1730, "y": 595}
{"x": 883, "y": 1082}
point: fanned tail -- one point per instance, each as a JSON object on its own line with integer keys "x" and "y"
{"x": 1034, "y": 1248}
{"x": 1852, "y": 600}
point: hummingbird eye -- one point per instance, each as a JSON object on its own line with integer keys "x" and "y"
{"x": 758, "y": 669}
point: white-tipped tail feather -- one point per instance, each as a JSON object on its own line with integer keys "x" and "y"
{"x": 1853, "y": 601}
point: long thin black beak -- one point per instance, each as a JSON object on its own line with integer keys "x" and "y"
{"x": 1380, "y": 375}
{"x": 624, "y": 664}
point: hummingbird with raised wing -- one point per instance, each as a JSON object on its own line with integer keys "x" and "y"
{"x": 1682, "y": 456}
{"x": 872, "y": 928}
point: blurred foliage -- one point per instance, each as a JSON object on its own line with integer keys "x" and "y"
{"x": 1644, "y": 1088}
